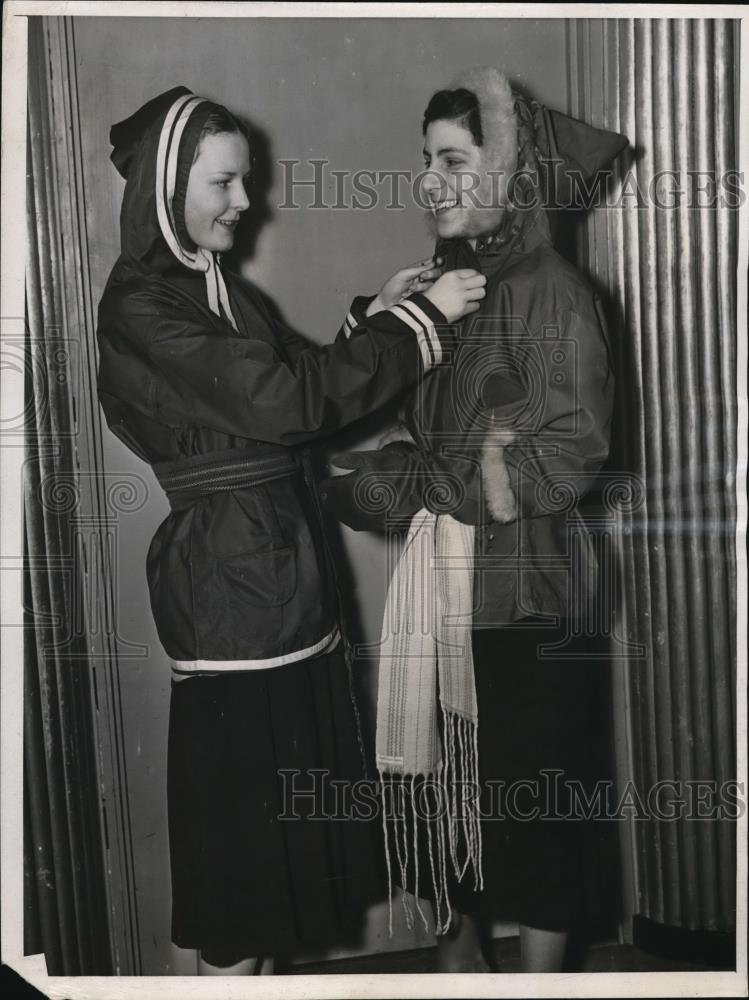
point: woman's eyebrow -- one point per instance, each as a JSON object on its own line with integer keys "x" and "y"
{"x": 444, "y": 151}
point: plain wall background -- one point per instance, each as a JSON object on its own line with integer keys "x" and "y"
{"x": 349, "y": 91}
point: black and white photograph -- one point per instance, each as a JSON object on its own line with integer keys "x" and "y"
{"x": 373, "y": 449}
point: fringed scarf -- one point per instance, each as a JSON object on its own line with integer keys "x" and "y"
{"x": 426, "y": 639}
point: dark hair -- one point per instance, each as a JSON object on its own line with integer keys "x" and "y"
{"x": 219, "y": 122}
{"x": 459, "y": 105}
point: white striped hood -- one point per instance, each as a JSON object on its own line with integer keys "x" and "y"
{"x": 154, "y": 150}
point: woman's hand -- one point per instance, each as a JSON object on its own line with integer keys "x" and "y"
{"x": 457, "y": 293}
{"x": 416, "y": 278}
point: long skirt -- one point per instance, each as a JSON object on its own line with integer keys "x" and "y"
{"x": 537, "y": 756}
{"x": 264, "y": 859}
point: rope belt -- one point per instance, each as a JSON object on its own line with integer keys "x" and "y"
{"x": 237, "y": 468}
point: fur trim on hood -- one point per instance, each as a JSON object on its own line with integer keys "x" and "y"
{"x": 497, "y": 110}
{"x": 520, "y": 132}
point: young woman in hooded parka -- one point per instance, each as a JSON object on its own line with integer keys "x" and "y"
{"x": 204, "y": 384}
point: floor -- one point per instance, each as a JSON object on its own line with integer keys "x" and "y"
{"x": 506, "y": 954}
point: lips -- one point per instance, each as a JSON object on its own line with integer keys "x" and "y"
{"x": 228, "y": 223}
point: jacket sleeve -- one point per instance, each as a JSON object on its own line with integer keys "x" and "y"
{"x": 212, "y": 377}
{"x": 355, "y": 320}
{"x": 390, "y": 485}
{"x": 541, "y": 438}
{"x": 356, "y": 317}
{"x": 541, "y": 456}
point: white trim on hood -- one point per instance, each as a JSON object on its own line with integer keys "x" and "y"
{"x": 167, "y": 158}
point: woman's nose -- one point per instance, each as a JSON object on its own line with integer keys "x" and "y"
{"x": 240, "y": 200}
{"x": 434, "y": 185}
{"x": 431, "y": 180}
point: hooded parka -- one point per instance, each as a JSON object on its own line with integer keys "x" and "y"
{"x": 512, "y": 432}
{"x": 203, "y": 383}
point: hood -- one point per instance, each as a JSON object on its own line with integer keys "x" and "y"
{"x": 519, "y": 133}
{"x": 153, "y": 150}
{"x": 554, "y": 159}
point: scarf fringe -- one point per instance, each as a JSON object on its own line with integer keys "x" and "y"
{"x": 452, "y": 819}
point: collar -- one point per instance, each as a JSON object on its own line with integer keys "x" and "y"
{"x": 518, "y": 233}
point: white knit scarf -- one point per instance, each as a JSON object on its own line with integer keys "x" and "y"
{"x": 426, "y": 636}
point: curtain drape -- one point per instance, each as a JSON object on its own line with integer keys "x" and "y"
{"x": 66, "y": 906}
{"x": 665, "y": 255}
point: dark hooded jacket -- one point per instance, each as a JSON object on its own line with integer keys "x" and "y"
{"x": 236, "y": 574}
{"x": 511, "y": 434}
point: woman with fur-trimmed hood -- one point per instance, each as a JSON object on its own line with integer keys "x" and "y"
{"x": 500, "y": 446}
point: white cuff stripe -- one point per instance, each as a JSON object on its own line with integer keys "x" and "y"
{"x": 417, "y": 312}
{"x": 420, "y": 315}
{"x": 405, "y": 316}
{"x": 349, "y": 324}
{"x": 422, "y": 336}
{"x": 426, "y": 353}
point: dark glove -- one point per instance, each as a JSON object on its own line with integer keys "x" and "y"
{"x": 390, "y": 485}
{"x": 339, "y": 496}
{"x": 376, "y": 493}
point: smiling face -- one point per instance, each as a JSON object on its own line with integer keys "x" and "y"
{"x": 464, "y": 199}
{"x": 216, "y": 195}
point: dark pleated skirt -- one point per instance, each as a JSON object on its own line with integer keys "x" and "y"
{"x": 535, "y": 718}
{"x": 255, "y": 869}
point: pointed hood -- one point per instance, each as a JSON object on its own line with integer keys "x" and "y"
{"x": 557, "y": 157}
{"x": 154, "y": 150}
{"x": 521, "y": 134}
{"x": 549, "y": 158}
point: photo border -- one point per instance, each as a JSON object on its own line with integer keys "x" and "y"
{"x": 14, "y": 249}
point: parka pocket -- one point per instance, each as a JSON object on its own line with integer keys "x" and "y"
{"x": 241, "y": 524}
{"x": 264, "y": 579}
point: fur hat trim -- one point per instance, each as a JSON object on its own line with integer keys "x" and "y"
{"x": 497, "y": 111}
